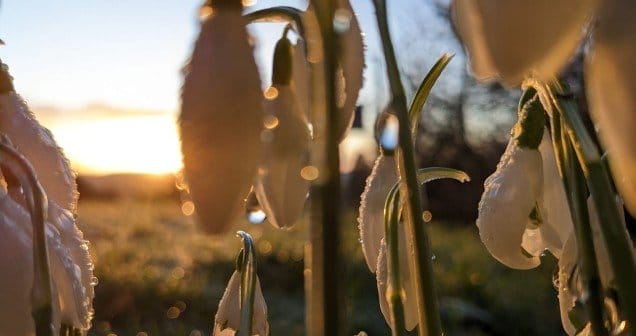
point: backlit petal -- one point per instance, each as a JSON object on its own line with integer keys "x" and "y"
{"x": 221, "y": 119}
{"x": 509, "y": 39}
{"x": 279, "y": 187}
{"x": 610, "y": 88}
{"x": 510, "y": 194}
{"x": 371, "y": 218}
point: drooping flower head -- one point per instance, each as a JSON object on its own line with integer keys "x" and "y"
{"x": 221, "y": 117}
{"x": 70, "y": 265}
{"x": 228, "y": 316}
{"x": 523, "y": 210}
{"x": 279, "y": 186}
{"x": 510, "y": 40}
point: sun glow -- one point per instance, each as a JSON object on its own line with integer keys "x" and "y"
{"x": 136, "y": 144}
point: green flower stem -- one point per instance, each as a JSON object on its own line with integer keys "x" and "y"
{"x": 577, "y": 199}
{"x": 247, "y": 264}
{"x": 428, "y": 311}
{"x": 37, "y": 203}
{"x": 281, "y": 14}
{"x": 618, "y": 244}
{"x": 394, "y": 282}
{"x": 325, "y": 308}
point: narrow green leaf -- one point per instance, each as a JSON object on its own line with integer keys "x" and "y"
{"x": 425, "y": 88}
{"x": 429, "y": 174}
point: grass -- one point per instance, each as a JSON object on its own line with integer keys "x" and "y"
{"x": 159, "y": 276}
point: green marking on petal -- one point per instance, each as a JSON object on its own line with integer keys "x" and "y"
{"x": 528, "y": 131}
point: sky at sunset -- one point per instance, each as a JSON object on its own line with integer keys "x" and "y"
{"x": 104, "y": 76}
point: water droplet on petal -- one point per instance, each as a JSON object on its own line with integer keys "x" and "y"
{"x": 206, "y": 12}
{"x": 387, "y": 127}
{"x": 342, "y": 20}
{"x": 253, "y": 209}
{"x": 309, "y": 173}
{"x": 270, "y": 93}
{"x": 270, "y": 121}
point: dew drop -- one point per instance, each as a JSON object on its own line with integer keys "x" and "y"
{"x": 427, "y": 216}
{"x": 94, "y": 281}
{"x": 206, "y": 12}
{"x": 187, "y": 208}
{"x": 270, "y": 93}
{"x": 309, "y": 173}
{"x": 342, "y": 20}
{"x": 387, "y": 131}
{"x": 253, "y": 209}
{"x": 270, "y": 121}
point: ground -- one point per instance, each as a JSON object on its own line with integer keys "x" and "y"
{"x": 159, "y": 275}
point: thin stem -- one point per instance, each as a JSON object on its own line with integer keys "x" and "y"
{"x": 428, "y": 312}
{"x": 280, "y": 13}
{"x": 37, "y": 203}
{"x": 325, "y": 309}
{"x": 394, "y": 282}
{"x": 619, "y": 245}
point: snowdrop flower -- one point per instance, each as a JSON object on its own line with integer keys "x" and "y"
{"x": 521, "y": 212}
{"x": 371, "y": 215}
{"x": 70, "y": 269}
{"x": 36, "y": 143}
{"x": 228, "y": 316}
{"x": 349, "y": 69}
{"x": 221, "y": 117}
{"x": 279, "y": 186}
{"x": 70, "y": 264}
{"x": 512, "y": 39}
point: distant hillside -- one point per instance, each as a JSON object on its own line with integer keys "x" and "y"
{"x": 135, "y": 186}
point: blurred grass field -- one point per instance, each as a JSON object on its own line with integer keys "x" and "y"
{"x": 159, "y": 276}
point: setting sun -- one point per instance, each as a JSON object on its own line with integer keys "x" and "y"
{"x": 138, "y": 144}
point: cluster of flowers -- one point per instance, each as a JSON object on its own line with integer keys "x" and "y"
{"x": 71, "y": 271}
{"x": 241, "y": 144}
{"x": 524, "y": 210}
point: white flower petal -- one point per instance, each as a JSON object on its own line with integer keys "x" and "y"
{"x": 37, "y": 145}
{"x": 280, "y": 188}
{"x": 228, "y": 316}
{"x": 610, "y": 73}
{"x": 555, "y": 210}
{"x": 509, "y": 196}
{"x": 221, "y": 119}
{"x": 510, "y": 39}
{"x": 352, "y": 63}
{"x": 72, "y": 299}
{"x": 371, "y": 218}
{"x": 409, "y": 300}
{"x": 301, "y": 78}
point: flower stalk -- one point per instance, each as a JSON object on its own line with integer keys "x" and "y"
{"x": 37, "y": 205}
{"x": 394, "y": 291}
{"x": 324, "y": 307}
{"x": 428, "y": 311}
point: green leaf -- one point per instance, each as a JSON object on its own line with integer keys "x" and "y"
{"x": 425, "y": 175}
{"x": 425, "y": 88}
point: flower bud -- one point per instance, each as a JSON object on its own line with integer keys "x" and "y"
{"x": 228, "y": 316}
{"x": 221, "y": 118}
